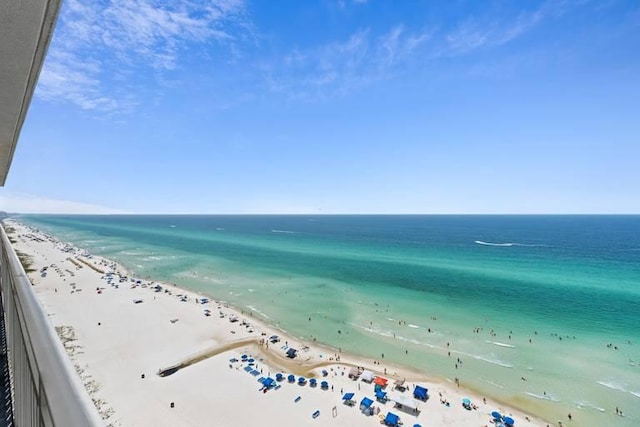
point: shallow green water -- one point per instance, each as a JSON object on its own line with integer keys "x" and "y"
{"x": 356, "y": 277}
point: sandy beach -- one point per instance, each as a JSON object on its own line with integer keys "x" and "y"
{"x": 122, "y": 332}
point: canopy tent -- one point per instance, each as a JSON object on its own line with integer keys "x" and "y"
{"x": 367, "y": 376}
{"x": 366, "y": 402}
{"x": 291, "y": 353}
{"x": 420, "y": 393}
{"x": 269, "y": 382}
{"x": 392, "y": 419}
{"x": 382, "y": 382}
{"x": 509, "y": 421}
{"x": 404, "y": 401}
{"x": 381, "y": 395}
{"x": 348, "y": 396}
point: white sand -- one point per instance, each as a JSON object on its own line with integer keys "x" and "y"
{"x": 114, "y": 341}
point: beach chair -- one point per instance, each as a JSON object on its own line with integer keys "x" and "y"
{"x": 316, "y": 414}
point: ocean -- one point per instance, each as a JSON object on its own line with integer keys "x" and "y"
{"x": 542, "y": 311}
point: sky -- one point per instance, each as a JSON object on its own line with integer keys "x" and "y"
{"x": 334, "y": 106}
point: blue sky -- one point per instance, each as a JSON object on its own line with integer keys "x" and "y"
{"x": 335, "y": 106}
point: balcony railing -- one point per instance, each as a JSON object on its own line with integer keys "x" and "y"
{"x": 45, "y": 389}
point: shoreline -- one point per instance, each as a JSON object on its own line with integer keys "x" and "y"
{"x": 310, "y": 362}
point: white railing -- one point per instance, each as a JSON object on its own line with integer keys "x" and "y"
{"x": 46, "y": 389}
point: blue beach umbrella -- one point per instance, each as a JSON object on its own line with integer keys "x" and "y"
{"x": 417, "y": 425}
{"x": 244, "y": 356}
{"x": 509, "y": 421}
{"x": 302, "y": 380}
{"x": 291, "y": 378}
{"x": 466, "y": 402}
{"x": 324, "y": 385}
{"x": 496, "y": 415}
{"x": 279, "y": 377}
{"x": 251, "y": 360}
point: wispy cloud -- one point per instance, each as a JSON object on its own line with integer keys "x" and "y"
{"x": 340, "y": 66}
{"x": 27, "y": 203}
{"x": 99, "y": 42}
{"x": 477, "y": 33}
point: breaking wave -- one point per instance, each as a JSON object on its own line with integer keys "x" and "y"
{"x": 500, "y": 344}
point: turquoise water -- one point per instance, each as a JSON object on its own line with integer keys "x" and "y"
{"x": 483, "y": 284}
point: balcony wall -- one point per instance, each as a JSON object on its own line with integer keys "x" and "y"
{"x": 45, "y": 389}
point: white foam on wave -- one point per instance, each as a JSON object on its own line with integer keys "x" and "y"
{"x": 493, "y": 384}
{"x": 500, "y": 344}
{"x": 612, "y": 386}
{"x": 414, "y": 326}
{"x": 550, "y": 397}
{"x": 252, "y": 308}
{"x": 584, "y": 404}
{"x": 619, "y": 387}
{"x": 486, "y": 359}
{"x": 493, "y": 361}
{"x": 220, "y": 229}
{"x": 283, "y": 231}
{"x": 391, "y": 334}
{"x": 507, "y": 244}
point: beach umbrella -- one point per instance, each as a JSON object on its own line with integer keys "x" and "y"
{"x": 496, "y": 415}
{"x": 291, "y": 378}
{"x": 279, "y": 377}
{"x": 244, "y": 356}
{"x": 251, "y": 360}
{"x": 509, "y": 421}
{"x": 302, "y": 380}
{"x": 324, "y": 385}
{"x": 466, "y": 402}
{"x": 417, "y": 425}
